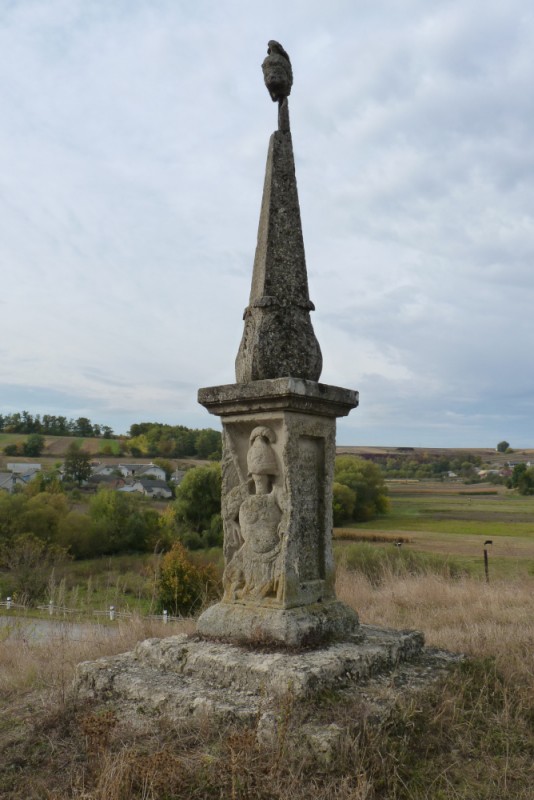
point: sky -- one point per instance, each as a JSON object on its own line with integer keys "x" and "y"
{"x": 133, "y": 141}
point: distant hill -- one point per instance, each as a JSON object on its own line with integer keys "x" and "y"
{"x": 58, "y": 445}
{"x": 486, "y": 454}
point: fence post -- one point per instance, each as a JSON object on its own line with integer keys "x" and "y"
{"x": 486, "y": 562}
{"x": 112, "y": 612}
{"x": 165, "y": 617}
{"x": 8, "y": 603}
{"x": 50, "y": 607}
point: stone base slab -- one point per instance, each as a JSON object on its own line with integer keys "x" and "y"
{"x": 313, "y": 625}
{"x": 181, "y": 677}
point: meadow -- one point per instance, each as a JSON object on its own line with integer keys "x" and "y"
{"x": 453, "y": 521}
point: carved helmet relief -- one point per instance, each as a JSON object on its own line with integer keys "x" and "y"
{"x": 261, "y": 458}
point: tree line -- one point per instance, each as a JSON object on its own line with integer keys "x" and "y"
{"x": 173, "y": 441}
{"x": 51, "y": 425}
{"x": 144, "y": 439}
{"x": 423, "y": 466}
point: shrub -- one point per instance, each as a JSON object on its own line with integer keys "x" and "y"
{"x": 184, "y": 587}
{"x": 11, "y": 450}
{"x": 29, "y": 562}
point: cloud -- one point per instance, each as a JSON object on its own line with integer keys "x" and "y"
{"x": 132, "y": 153}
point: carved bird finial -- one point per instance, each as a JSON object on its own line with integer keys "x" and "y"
{"x": 276, "y": 47}
{"x": 277, "y": 72}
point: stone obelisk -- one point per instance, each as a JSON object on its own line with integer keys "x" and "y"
{"x": 278, "y": 433}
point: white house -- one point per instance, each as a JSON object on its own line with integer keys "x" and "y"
{"x": 10, "y": 480}
{"x": 152, "y": 488}
{"x": 104, "y": 469}
{"x": 142, "y": 470}
{"x": 24, "y": 468}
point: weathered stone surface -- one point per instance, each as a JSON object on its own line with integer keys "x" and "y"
{"x": 278, "y": 433}
{"x": 182, "y": 677}
{"x": 295, "y": 627}
{"x": 289, "y": 393}
{"x": 277, "y": 512}
{"x": 278, "y": 339}
{"x": 277, "y": 72}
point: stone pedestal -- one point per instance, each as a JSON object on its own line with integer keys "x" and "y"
{"x": 278, "y": 462}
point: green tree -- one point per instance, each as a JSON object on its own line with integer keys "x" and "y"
{"x": 83, "y": 427}
{"x": 517, "y": 475}
{"x": 26, "y": 512}
{"x": 344, "y": 501}
{"x": 522, "y": 479}
{"x": 77, "y": 535}
{"x": 77, "y": 464}
{"x": 34, "y": 445}
{"x": 208, "y": 443}
{"x": 117, "y": 522}
{"x": 366, "y": 481}
{"x": 198, "y": 498}
{"x": 42, "y": 515}
{"x": 503, "y": 446}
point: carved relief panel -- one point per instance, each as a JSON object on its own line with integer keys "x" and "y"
{"x": 254, "y": 515}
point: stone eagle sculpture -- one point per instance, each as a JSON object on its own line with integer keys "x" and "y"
{"x": 277, "y": 72}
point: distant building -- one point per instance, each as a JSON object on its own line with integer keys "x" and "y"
{"x": 9, "y": 481}
{"x": 151, "y": 488}
{"x": 141, "y": 470}
{"x": 24, "y": 468}
{"x": 105, "y": 469}
{"x": 111, "y": 481}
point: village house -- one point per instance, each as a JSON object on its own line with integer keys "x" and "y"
{"x": 141, "y": 470}
{"x": 156, "y": 489}
{"x": 17, "y": 478}
{"x": 24, "y": 468}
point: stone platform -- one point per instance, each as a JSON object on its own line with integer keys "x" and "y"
{"x": 182, "y": 677}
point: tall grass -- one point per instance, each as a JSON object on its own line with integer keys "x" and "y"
{"x": 466, "y": 615}
{"x": 469, "y": 736}
{"x": 380, "y": 563}
{"x": 47, "y": 665}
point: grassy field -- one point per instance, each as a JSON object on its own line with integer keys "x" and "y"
{"x": 468, "y": 737}
{"x": 444, "y": 519}
{"x": 471, "y": 735}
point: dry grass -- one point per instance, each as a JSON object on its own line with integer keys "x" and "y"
{"x": 470, "y": 736}
{"x": 48, "y": 666}
{"x": 466, "y": 615}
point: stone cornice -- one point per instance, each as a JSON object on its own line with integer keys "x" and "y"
{"x": 283, "y": 394}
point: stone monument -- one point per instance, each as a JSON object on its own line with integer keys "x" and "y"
{"x": 278, "y": 433}
{"x": 278, "y": 460}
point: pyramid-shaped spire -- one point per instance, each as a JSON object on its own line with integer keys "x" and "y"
{"x": 278, "y": 340}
